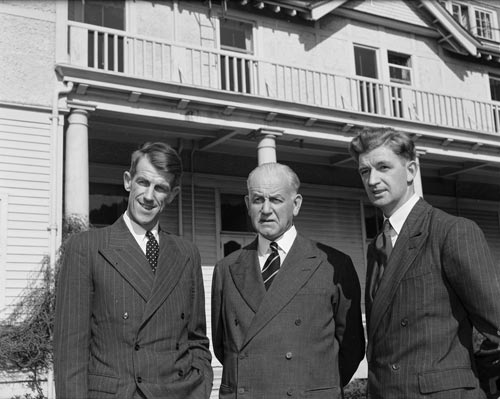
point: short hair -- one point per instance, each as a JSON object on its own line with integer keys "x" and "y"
{"x": 273, "y": 168}
{"x": 369, "y": 139}
{"x": 162, "y": 156}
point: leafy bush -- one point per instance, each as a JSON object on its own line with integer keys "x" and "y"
{"x": 26, "y": 334}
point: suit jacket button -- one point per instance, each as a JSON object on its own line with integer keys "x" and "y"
{"x": 236, "y": 322}
{"x": 395, "y": 367}
{"x": 177, "y": 346}
{"x": 137, "y": 347}
{"x": 183, "y": 315}
{"x": 139, "y": 379}
{"x": 404, "y": 322}
{"x": 289, "y": 355}
{"x": 125, "y": 316}
{"x": 298, "y": 322}
{"x": 289, "y": 392}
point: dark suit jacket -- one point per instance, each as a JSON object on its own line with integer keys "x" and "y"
{"x": 287, "y": 341}
{"x": 440, "y": 279}
{"x": 118, "y": 326}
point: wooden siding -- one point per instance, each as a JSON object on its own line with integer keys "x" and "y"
{"x": 25, "y": 167}
{"x": 398, "y": 10}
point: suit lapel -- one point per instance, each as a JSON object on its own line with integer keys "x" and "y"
{"x": 247, "y": 276}
{"x": 171, "y": 264}
{"x": 127, "y": 258}
{"x": 408, "y": 245}
{"x": 296, "y": 270}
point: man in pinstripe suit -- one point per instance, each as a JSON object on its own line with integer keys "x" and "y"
{"x": 130, "y": 314}
{"x": 430, "y": 278}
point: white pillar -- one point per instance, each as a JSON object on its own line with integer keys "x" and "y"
{"x": 76, "y": 168}
{"x": 417, "y": 183}
{"x": 266, "y": 149}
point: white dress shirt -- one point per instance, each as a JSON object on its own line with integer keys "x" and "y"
{"x": 285, "y": 242}
{"x": 399, "y": 217}
{"x": 139, "y": 232}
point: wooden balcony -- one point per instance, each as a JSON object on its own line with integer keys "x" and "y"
{"x": 116, "y": 51}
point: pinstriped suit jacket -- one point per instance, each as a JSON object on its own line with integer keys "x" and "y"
{"x": 118, "y": 326}
{"x": 292, "y": 340}
{"x": 440, "y": 279}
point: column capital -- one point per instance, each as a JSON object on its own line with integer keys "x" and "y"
{"x": 74, "y": 105}
{"x": 266, "y": 132}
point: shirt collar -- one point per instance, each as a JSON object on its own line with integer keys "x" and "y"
{"x": 284, "y": 242}
{"x": 399, "y": 217}
{"x": 137, "y": 230}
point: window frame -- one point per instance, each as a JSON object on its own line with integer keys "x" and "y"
{"x": 409, "y": 69}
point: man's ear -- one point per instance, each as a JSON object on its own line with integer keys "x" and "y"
{"x": 297, "y": 202}
{"x": 411, "y": 171}
{"x": 127, "y": 180}
{"x": 173, "y": 193}
{"x": 247, "y": 203}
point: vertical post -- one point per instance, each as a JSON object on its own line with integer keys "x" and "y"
{"x": 76, "y": 169}
{"x": 418, "y": 178}
{"x": 266, "y": 149}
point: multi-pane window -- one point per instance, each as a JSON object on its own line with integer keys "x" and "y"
{"x": 495, "y": 96}
{"x": 479, "y": 21}
{"x": 461, "y": 14}
{"x": 399, "y": 67}
{"x": 236, "y": 71}
{"x": 483, "y": 24}
{"x": 105, "y": 49}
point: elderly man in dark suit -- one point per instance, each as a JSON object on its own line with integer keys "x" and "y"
{"x": 286, "y": 317}
{"x": 130, "y": 315}
{"x": 430, "y": 278}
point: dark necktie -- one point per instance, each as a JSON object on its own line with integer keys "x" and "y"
{"x": 271, "y": 266}
{"x": 383, "y": 246}
{"x": 152, "y": 250}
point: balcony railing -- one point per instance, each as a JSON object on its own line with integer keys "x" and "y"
{"x": 139, "y": 56}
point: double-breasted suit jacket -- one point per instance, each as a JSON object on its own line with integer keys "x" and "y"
{"x": 440, "y": 280}
{"x": 287, "y": 341}
{"x": 120, "y": 327}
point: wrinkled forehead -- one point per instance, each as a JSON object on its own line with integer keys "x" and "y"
{"x": 270, "y": 184}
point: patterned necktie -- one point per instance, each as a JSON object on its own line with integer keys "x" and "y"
{"x": 272, "y": 265}
{"x": 383, "y": 245}
{"x": 152, "y": 250}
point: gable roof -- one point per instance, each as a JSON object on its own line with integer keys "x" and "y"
{"x": 450, "y": 33}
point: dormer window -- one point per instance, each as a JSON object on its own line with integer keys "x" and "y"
{"x": 479, "y": 21}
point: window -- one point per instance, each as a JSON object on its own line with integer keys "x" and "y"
{"x": 107, "y": 14}
{"x": 236, "y": 228}
{"x": 483, "y": 24}
{"x": 236, "y": 36}
{"x": 365, "y": 60}
{"x": 107, "y": 203}
{"x": 461, "y": 13}
{"x": 479, "y": 21}
{"x": 399, "y": 67}
{"x": 236, "y": 70}
{"x": 495, "y": 96}
{"x": 234, "y": 215}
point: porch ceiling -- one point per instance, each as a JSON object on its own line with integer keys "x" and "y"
{"x": 130, "y": 110}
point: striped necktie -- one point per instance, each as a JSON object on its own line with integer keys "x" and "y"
{"x": 152, "y": 250}
{"x": 272, "y": 265}
{"x": 383, "y": 245}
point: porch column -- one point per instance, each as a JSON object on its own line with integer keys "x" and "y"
{"x": 418, "y": 178}
{"x": 266, "y": 149}
{"x": 76, "y": 167}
